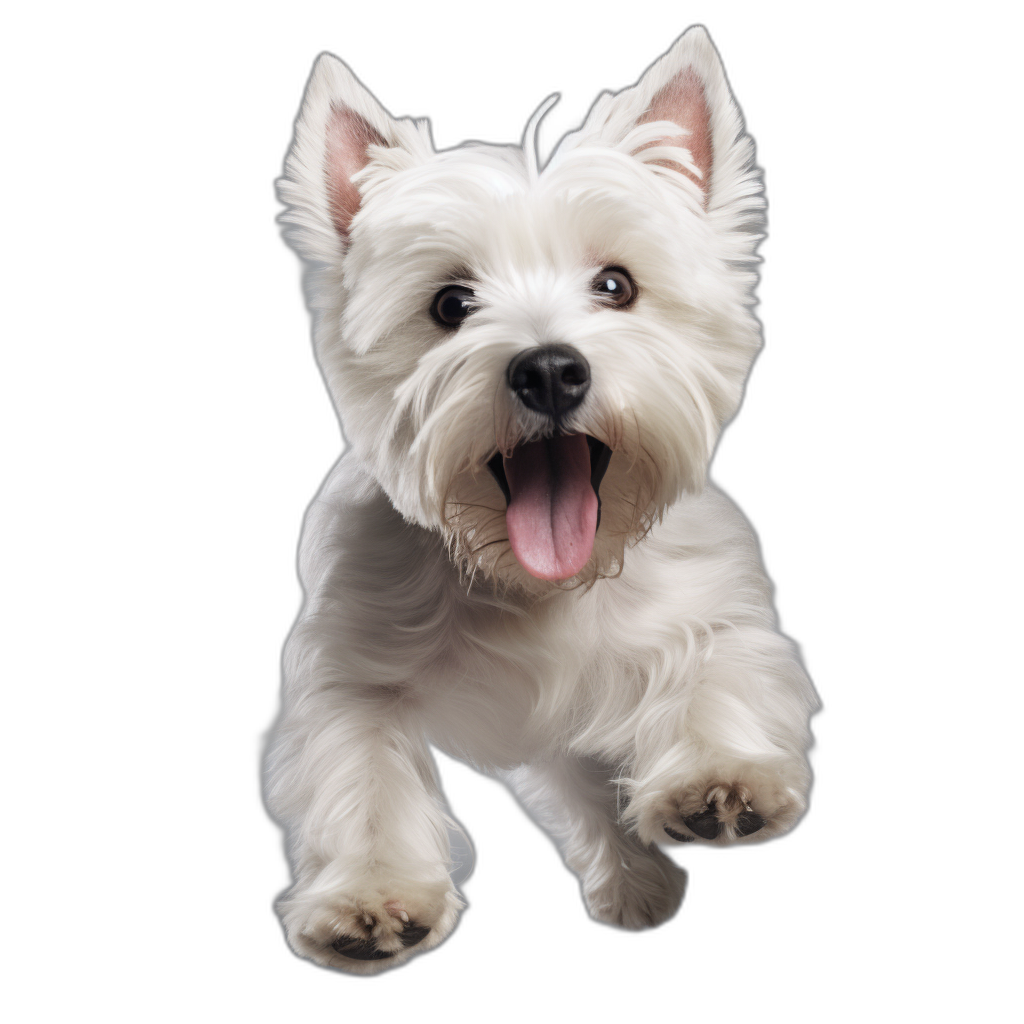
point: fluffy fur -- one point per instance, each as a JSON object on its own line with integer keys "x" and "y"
{"x": 644, "y": 693}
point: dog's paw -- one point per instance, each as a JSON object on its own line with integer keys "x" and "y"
{"x": 642, "y": 890}
{"x": 370, "y": 927}
{"x": 723, "y": 811}
{"x": 368, "y": 935}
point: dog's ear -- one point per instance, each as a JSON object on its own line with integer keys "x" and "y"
{"x": 340, "y": 128}
{"x": 680, "y": 115}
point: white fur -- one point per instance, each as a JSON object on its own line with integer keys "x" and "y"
{"x": 615, "y": 703}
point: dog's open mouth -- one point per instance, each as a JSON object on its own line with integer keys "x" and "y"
{"x": 551, "y": 487}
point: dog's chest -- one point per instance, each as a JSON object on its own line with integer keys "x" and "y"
{"x": 517, "y": 685}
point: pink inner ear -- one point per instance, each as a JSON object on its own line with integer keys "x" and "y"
{"x": 348, "y": 135}
{"x": 683, "y": 102}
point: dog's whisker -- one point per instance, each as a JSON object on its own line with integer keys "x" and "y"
{"x": 470, "y": 505}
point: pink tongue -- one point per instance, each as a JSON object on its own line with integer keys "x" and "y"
{"x": 552, "y": 514}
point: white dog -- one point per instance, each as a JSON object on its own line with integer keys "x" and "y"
{"x": 518, "y": 558}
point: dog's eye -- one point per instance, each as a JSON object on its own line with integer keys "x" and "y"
{"x": 614, "y": 286}
{"x": 452, "y": 305}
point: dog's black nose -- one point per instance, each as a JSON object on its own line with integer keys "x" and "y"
{"x": 551, "y": 379}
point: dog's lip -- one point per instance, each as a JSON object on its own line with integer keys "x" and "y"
{"x": 600, "y": 456}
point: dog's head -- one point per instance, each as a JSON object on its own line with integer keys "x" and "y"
{"x": 535, "y": 362}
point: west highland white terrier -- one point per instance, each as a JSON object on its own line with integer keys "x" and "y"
{"x": 519, "y": 558}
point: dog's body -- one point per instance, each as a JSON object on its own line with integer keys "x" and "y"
{"x": 579, "y": 612}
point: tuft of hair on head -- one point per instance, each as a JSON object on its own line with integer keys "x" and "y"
{"x": 531, "y": 136}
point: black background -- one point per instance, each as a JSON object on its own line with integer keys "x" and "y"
{"x": 825, "y": 900}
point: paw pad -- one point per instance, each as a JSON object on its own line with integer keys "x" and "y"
{"x": 710, "y": 822}
{"x": 704, "y": 823}
{"x": 361, "y": 949}
{"x": 748, "y": 823}
{"x": 679, "y": 837}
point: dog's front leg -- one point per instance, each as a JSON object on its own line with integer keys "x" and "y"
{"x": 729, "y": 762}
{"x": 353, "y": 780}
{"x": 624, "y": 881}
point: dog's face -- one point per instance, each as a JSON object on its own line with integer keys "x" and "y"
{"x": 535, "y": 363}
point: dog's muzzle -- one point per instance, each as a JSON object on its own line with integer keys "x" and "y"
{"x": 552, "y": 485}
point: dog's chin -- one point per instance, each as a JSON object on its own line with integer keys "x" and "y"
{"x": 553, "y": 506}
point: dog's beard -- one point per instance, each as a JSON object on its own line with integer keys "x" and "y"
{"x": 559, "y": 509}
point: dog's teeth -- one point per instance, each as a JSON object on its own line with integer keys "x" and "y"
{"x": 404, "y": 916}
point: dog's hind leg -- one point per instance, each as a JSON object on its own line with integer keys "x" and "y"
{"x": 624, "y": 881}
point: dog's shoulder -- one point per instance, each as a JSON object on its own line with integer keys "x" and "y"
{"x": 352, "y": 529}
{"x": 696, "y": 561}
{"x": 702, "y": 524}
